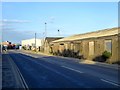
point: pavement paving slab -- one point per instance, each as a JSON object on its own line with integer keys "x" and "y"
{"x": 10, "y": 75}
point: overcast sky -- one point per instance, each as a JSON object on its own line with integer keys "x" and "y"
{"x": 22, "y": 19}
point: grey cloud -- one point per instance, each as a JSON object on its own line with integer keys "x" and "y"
{"x": 14, "y": 21}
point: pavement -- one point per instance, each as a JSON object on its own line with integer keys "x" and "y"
{"x": 11, "y": 77}
{"x": 115, "y": 66}
{"x": 42, "y": 71}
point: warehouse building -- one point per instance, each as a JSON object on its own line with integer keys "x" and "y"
{"x": 91, "y": 45}
{"x": 32, "y": 43}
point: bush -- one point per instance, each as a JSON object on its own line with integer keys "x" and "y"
{"x": 106, "y": 54}
{"x": 23, "y": 47}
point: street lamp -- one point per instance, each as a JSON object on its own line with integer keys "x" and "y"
{"x": 58, "y": 32}
{"x": 45, "y": 29}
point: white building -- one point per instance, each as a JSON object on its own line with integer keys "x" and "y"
{"x": 31, "y": 42}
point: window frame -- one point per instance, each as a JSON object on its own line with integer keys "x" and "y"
{"x": 93, "y": 51}
{"x": 105, "y": 46}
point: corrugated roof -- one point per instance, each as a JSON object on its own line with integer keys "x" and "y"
{"x": 99, "y": 33}
{"x": 49, "y": 39}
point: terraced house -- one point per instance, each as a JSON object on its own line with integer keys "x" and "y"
{"x": 91, "y": 45}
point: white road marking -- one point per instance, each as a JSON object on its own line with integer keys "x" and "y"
{"x": 110, "y": 82}
{"x": 52, "y": 69}
{"x": 72, "y": 69}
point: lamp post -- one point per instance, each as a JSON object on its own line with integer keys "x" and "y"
{"x": 58, "y": 32}
{"x": 45, "y": 29}
{"x": 45, "y": 36}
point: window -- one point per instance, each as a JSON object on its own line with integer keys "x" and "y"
{"x": 108, "y": 45}
{"x": 62, "y": 44}
{"x": 76, "y": 47}
{"x": 71, "y": 46}
{"x": 33, "y": 44}
{"x": 91, "y": 48}
{"x": 66, "y": 46}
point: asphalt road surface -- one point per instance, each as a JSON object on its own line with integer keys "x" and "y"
{"x": 41, "y": 71}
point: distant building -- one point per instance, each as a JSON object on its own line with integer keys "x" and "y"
{"x": 91, "y": 45}
{"x": 6, "y": 43}
{"x": 30, "y": 43}
{"x": 46, "y": 43}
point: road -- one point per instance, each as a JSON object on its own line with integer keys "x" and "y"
{"x": 40, "y": 71}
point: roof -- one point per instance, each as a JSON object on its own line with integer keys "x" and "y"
{"x": 95, "y": 34}
{"x": 31, "y": 39}
{"x": 6, "y": 43}
{"x": 49, "y": 39}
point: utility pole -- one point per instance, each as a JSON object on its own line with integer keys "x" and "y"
{"x": 35, "y": 42}
{"x": 58, "y": 32}
{"x": 45, "y": 36}
{"x": 45, "y": 29}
